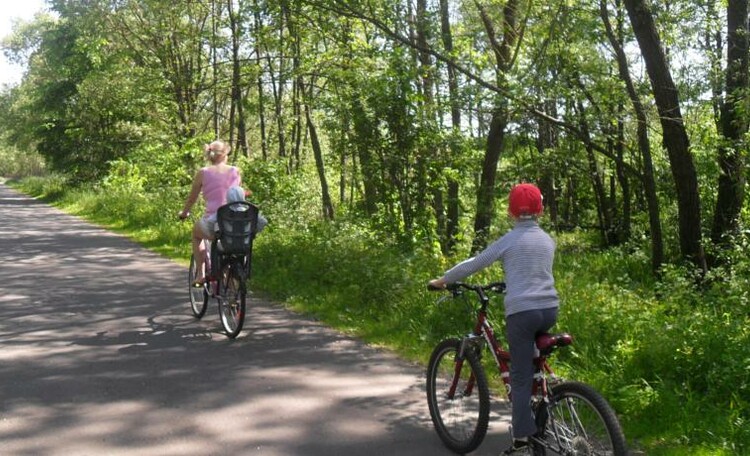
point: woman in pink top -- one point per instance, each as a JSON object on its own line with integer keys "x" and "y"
{"x": 213, "y": 181}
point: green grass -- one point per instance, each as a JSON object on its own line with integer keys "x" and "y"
{"x": 670, "y": 357}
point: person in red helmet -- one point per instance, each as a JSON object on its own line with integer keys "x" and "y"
{"x": 531, "y": 301}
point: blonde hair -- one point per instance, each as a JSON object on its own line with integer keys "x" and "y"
{"x": 216, "y": 150}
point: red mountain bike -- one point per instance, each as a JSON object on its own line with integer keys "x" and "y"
{"x": 572, "y": 418}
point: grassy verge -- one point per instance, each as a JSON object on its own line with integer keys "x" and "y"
{"x": 671, "y": 358}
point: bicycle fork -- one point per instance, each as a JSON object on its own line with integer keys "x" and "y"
{"x": 544, "y": 408}
{"x": 470, "y": 342}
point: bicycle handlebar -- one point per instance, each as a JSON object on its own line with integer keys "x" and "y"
{"x": 497, "y": 287}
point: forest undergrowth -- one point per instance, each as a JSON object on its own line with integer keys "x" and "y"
{"x": 669, "y": 354}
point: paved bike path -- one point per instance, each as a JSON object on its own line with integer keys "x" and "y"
{"x": 100, "y": 355}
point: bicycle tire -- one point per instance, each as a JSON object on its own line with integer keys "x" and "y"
{"x": 460, "y": 422}
{"x": 198, "y": 295}
{"x": 232, "y": 298}
{"x": 578, "y": 420}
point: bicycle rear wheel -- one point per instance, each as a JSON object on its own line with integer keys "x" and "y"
{"x": 461, "y": 417}
{"x": 198, "y": 295}
{"x": 578, "y": 420}
{"x": 232, "y": 297}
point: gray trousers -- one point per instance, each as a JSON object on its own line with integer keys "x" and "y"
{"x": 521, "y": 330}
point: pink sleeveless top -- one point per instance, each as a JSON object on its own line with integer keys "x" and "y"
{"x": 215, "y": 186}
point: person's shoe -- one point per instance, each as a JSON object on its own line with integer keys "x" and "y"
{"x": 199, "y": 283}
{"x": 518, "y": 446}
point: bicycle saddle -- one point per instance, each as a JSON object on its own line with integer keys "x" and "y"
{"x": 547, "y": 342}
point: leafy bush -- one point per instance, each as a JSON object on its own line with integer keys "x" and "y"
{"x": 670, "y": 356}
{"x": 16, "y": 163}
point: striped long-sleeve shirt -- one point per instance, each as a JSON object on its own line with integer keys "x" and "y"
{"x": 527, "y": 253}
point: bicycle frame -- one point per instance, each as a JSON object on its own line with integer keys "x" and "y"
{"x": 483, "y": 331}
{"x": 208, "y": 272}
{"x": 461, "y": 417}
{"x": 241, "y": 261}
{"x": 225, "y": 268}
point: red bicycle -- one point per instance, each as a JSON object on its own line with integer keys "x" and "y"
{"x": 227, "y": 266}
{"x": 572, "y": 418}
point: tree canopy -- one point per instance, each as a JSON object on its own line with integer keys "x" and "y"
{"x": 417, "y": 115}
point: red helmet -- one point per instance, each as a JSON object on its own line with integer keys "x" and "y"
{"x": 525, "y": 199}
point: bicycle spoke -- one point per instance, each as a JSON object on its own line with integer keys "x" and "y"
{"x": 576, "y": 427}
{"x": 198, "y": 295}
{"x": 232, "y": 300}
{"x": 458, "y": 398}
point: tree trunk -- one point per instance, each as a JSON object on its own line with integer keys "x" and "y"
{"x": 295, "y": 157}
{"x": 714, "y": 45}
{"x": 495, "y": 138}
{"x": 327, "y": 204}
{"x": 428, "y": 119}
{"x": 486, "y": 191}
{"x": 547, "y": 139}
{"x": 215, "y": 71}
{"x": 235, "y": 21}
{"x": 623, "y": 231}
{"x": 277, "y": 85}
{"x": 297, "y": 87}
{"x": 595, "y": 175}
{"x": 261, "y": 93}
{"x": 675, "y": 138}
{"x": 644, "y": 144}
{"x": 368, "y": 169}
{"x": 342, "y": 178}
{"x": 452, "y": 201}
{"x": 733, "y": 126}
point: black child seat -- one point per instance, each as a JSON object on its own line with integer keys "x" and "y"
{"x": 236, "y": 225}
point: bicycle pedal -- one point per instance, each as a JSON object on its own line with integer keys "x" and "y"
{"x": 518, "y": 447}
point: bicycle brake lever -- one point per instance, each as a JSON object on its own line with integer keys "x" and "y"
{"x": 498, "y": 288}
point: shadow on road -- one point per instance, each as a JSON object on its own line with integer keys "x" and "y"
{"x": 101, "y": 355}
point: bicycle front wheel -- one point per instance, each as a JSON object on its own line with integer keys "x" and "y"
{"x": 198, "y": 295}
{"x": 578, "y": 420}
{"x": 458, "y": 397}
{"x": 232, "y": 296}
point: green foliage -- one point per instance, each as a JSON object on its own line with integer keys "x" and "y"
{"x": 122, "y": 98}
{"x": 17, "y": 163}
{"x": 50, "y": 188}
{"x": 151, "y": 168}
{"x": 669, "y": 355}
{"x": 78, "y": 109}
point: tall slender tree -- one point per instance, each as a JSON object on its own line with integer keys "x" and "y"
{"x": 734, "y": 125}
{"x": 674, "y": 134}
{"x": 237, "y": 120}
{"x": 452, "y": 200}
{"x": 644, "y": 143}
{"x": 503, "y": 52}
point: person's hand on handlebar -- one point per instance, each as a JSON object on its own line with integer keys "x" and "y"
{"x": 183, "y": 215}
{"x": 436, "y": 284}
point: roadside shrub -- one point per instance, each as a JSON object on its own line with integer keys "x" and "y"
{"x": 16, "y": 163}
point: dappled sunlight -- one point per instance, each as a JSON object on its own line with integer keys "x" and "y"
{"x": 101, "y": 355}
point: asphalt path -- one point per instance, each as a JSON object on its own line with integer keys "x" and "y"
{"x": 100, "y": 355}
